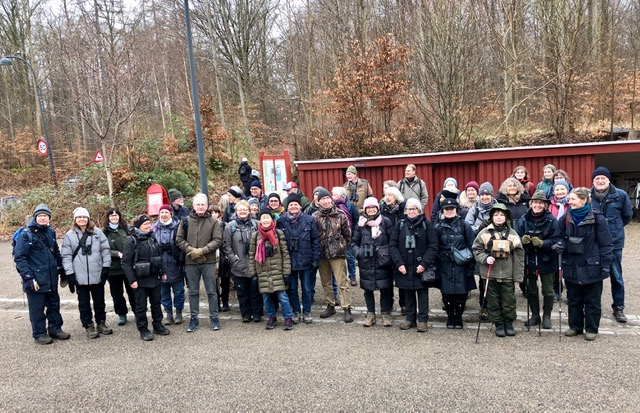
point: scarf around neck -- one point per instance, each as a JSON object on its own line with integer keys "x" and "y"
{"x": 374, "y": 223}
{"x": 341, "y": 203}
{"x": 578, "y": 214}
{"x": 268, "y": 233}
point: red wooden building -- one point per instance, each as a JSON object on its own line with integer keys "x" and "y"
{"x": 493, "y": 165}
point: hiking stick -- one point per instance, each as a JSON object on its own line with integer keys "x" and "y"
{"x": 560, "y": 300}
{"x": 538, "y": 276}
{"x": 484, "y": 297}
{"x": 526, "y": 290}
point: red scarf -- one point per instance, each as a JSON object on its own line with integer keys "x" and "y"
{"x": 265, "y": 233}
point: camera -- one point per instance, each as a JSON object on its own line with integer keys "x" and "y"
{"x": 269, "y": 251}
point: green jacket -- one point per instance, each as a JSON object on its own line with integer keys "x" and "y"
{"x": 202, "y": 232}
{"x": 504, "y": 269}
{"x": 270, "y": 274}
{"x": 116, "y": 244}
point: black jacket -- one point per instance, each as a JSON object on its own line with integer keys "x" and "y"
{"x": 148, "y": 251}
{"x": 454, "y": 278}
{"x": 517, "y": 209}
{"x": 390, "y": 211}
{"x": 423, "y": 252}
{"x": 370, "y": 254}
{"x": 547, "y": 230}
{"x": 39, "y": 259}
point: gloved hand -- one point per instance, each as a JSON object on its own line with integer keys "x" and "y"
{"x": 200, "y": 260}
{"x": 195, "y": 253}
{"x": 558, "y": 247}
{"x": 287, "y": 280}
{"x": 63, "y": 277}
{"x": 104, "y": 275}
{"x": 29, "y": 284}
{"x": 526, "y": 239}
{"x": 71, "y": 278}
{"x": 536, "y": 242}
{"x": 315, "y": 264}
{"x": 606, "y": 272}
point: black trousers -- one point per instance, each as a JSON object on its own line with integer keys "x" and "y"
{"x": 152, "y": 294}
{"x": 224, "y": 276}
{"x": 249, "y": 297}
{"x": 85, "y": 294}
{"x": 585, "y": 306}
{"x": 386, "y": 300}
{"x": 419, "y": 305}
{"x": 117, "y": 285}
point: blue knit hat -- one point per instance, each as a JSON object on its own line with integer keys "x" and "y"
{"x": 256, "y": 184}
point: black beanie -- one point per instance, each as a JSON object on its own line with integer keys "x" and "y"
{"x": 274, "y": 195}
{"x": 141, "y": 220}
{"x": 294, "y": 198}
{"x": 323, "y": 193}
{"x": 601, "y": 170}
{"x": 264, "y": 211}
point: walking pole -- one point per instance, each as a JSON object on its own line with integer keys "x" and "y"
{"x": 560, "y": 300}
{"x": 526, "y": 289}
{"x": 484, "y": 298}
{"x": 538, "y": 276}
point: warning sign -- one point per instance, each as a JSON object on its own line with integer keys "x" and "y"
{"x": 98, "y": 157}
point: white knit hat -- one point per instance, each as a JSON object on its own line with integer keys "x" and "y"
{"x": 80, "y": 212}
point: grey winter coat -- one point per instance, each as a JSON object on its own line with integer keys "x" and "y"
{"x": 87, "y": 268}
{"x": 235, "y": 245}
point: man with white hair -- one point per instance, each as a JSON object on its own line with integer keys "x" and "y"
{"x": 199, "y": 236}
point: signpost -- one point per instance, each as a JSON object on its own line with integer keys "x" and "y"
{"x": 43, "y": 148}
{"x": 98, "y": 157}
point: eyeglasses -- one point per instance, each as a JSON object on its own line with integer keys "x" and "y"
{"x": 412, "y": 209}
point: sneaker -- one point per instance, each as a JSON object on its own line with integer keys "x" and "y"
{"x": 44, "y": 339}
{"x": 178, "y": 319}
{"x": 168, "y": 320}
{"x": 91, "y": 331}
{"x": 146, "y": 335}
{"x": 590, "y": 336}
{"x": 246, "y": 319}
{"x": 423, "y": 327}
{"x": 288, "y": 324}
{"x": 193, "y": 324}
{"x": 618, "y": 314}
{"x": 257, "y": 319}
{"x": 572, "y": 333}
{"x": 387, "y": 321}
{"x": 296, "y": 318}
{"x": 451, "y": 324}
{"x": 104, "y": 329}
{"x": 225, "y": 308}
{"x": 307, "y": 319}
{"x": 271, "y": 322}
{"x": 59, "y": 335}
{"x": 328, "y": 312}
{"x": 122, "y": 320}
{"x": 406, "y": 325}
{"x": 161, "y": 330}
{"x": 215, "y": 324}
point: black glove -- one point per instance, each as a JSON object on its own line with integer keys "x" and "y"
{"x": 71, "y": 279}
{"x": 606, "y": 272}
{"x": 558, "y": 247}
{"x": 29, "y": 284}
{"x": 254, "y": 279}
{"x": 315, "y": 265}
{"x": 287, "y": 280}
{"x": 63, "y": 277}
{"x": 104, "y": 275}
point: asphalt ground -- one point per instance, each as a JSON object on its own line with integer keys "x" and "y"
{"x": 324, "y": 366}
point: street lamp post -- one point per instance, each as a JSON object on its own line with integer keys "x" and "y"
{"x": 7, "y": 61}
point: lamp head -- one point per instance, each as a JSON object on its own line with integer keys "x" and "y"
{"x": 5, "y": 61}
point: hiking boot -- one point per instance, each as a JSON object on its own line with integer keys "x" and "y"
{"x": 103, "y": 328}
{"x": 353, "y": 282}
{"x": 178, "y": 319}
{"x": 484, "y": 314}
{"x": 328, "y": 312}
{"x": 546, "y": 322}
{"x": 508, "y": 328}
{"x": 423, "y": 327}
{"x": 59, "y": 335}
{"x": 500, "y": 330}
{"x": 91, "y": 331}
{"x": 296, "y": 318}
{"x": 370, "y": 320}
{"x": 406, "y": 325}
{"x": 225, "y": 308}
{"x": 168, "y": 320}
{"x": 307, "y": 319}
{"x": 572, "y": 333}
{"x": 590, "y": 336}
{"x": 44, "y": 339}
{"x": 288, "y": 324}
{"x": 271, "y": 322}
{"x": 387, "y": 321}
{"x": 122, "y": 320}
{"x": 618, "y": 314}
{"x": 161, "y": 330}
{"x": 215, "y": 324}
{"x": 348, "y": 318}
{"x": 193, "y": 324}
{"x": 146, "y": 335}
{"x": 533, "y": 321}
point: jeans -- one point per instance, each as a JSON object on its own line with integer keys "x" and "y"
{"x": 249, "y": 297}
{"x": 85, "y": 294}
{"x": 351, "y": 264}
{"x": 208, "y": 274}
{"x": 178, "y": 295}
{"x": 585, "y": 306}
{"x": 304, "y": 276}
{"x": 421, "y": 305}
{"x": 153, "y": 295}
{"x": 617, "y": 283}
{"x": 43, "y": 307}
{"x": 386, "y": 300}
{"x": 270, "y": 309}
{"x": 117, "y": 285}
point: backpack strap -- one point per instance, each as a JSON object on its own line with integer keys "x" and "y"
{"x": 81, "y": 242}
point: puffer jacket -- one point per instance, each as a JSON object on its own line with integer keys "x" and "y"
{"x": 148, "y": 250}
{"x": 41, "y": 259}
{"x": 544, "y": 259}
{"x": 394, "y": 212}
{"x": 369, "y": 252}
{"x": 479, "y": 214}
{"x": 517, "y": 209}
{"x": 237, "y": 237}
{"x": 424, "y": 253}
{"x": 586, "y": 268}
{"x": 87, "y": 268}
{"x": 302, "y": 232}
{"x": 165, "y": 236}
{"x": 363, "y": 191}
{"x": 272, "y": 272}
{"x": 116, "y": 239}
{"x": 617, "y": 209}
{"x": 454, "y": 278}
{"x": 510, "y": 268}
{"x": 202, "y": 232}
{"x": 335, "y": 233}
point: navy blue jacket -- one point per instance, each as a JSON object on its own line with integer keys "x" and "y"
{"x": 306, "y": 250}
{"x": 547, "y": 230}
{"x": 586, "y": 268}
{"x": 41, "y": 259}
{"x": 616, "y": 208}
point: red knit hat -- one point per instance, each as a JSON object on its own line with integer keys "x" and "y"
{"x": 167, "y": 207}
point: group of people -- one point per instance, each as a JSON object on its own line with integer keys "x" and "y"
{"x": 273, "y": 248}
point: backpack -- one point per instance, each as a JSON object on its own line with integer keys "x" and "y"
{"x": 18, "y": 233}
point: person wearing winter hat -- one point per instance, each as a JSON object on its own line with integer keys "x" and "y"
{"x": 234, "y": 195}
{"x": 292, "y": 188}
{"x": 256, "y": 192}
{"x": 314, "y": 205}
{"x": 164, "y": 231}
{"x": 275, "y": 205}
{"x": 339, "y": 196}
{"x": 176, "y": 199}
{"x": 547, "y": 178}
{"x": 498, "y": 250}
{"x": 370, "y": 245}
{"x": 86, "y": 257}
{"x": 335, "y": 236}
{"x": 358, "y": 189}
{"x": 39, "y": 264}
{"x": 538, "y": 230}
{"x": 615, "y": 205}
{"x": 244, "y": 172}
{"x": 558, "y": 201}
{"x": 449, "y": 190}
{"x": 269, "y": 260}
{"x": 468, "y": 198}
{"x": 116, "y": 230}
{"x": 254, "y": 207}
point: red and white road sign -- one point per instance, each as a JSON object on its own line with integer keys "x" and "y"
{"x": 43, "y": 149}
{"x": 98, "y": 157}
